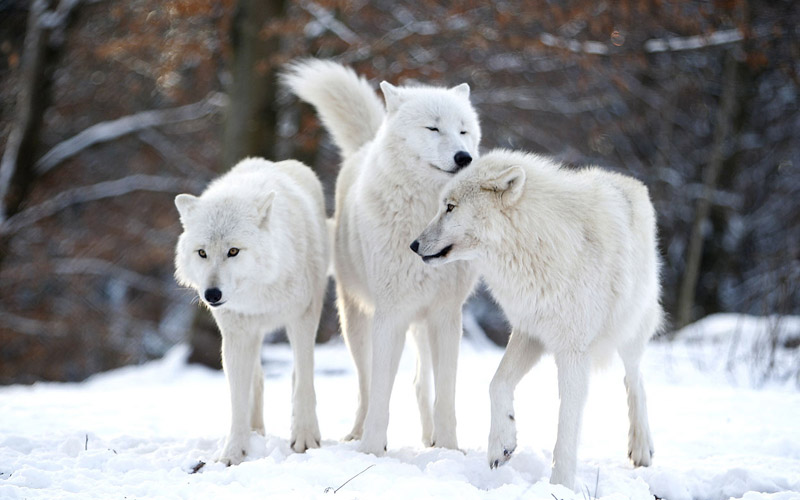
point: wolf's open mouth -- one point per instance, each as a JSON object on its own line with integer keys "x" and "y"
{"x": 443, "y": 253}
{"x": 444, "y": 170}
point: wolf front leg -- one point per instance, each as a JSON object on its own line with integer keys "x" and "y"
{"x": 573, "y": 386}
{"x": 522, "y": 352}
{"x": 305, "y": 428}
{"x": 241, "y": 352}
{"x": 388, "y": 333}
{"x": 444, "y": 335}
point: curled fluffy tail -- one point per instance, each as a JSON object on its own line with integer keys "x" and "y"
{"x": 349, "y": 108}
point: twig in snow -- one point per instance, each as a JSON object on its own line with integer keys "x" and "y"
{"x": 330, "y": 488}
{"x": 596, "y": 482}
{"x": 86, "y": 443}
{"x": 199, "y": 465}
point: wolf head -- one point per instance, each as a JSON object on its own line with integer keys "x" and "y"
{"x": 471, "y": 203}
{"x": 224, "y": 251}
{"x": 436, "y": 128}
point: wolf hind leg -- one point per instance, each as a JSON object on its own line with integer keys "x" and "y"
{"x": 422, "y": 381}
{"x": 355, "y": 325}
{"x": 573, "y": 387}
{"x": 444, "y": 336}
{"x": 640, "y": 442}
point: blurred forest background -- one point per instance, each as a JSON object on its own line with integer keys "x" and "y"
{"x": 109, "y": 108}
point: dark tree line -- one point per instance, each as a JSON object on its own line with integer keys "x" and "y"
{"x": 110, "y": 108}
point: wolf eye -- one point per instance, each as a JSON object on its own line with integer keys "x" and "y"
{"x": 432, "y": 129}
{"x": 202, "y": 253}
{"x": 233, "y": 252}
{"x": 450, "y": 207}
{"x": 463, "y": 132}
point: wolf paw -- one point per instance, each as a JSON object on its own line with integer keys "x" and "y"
{"x": 562, "y": 477}
{"x": 373, "y": 447}
{"x": 502, "y": 440}
{"x": 234, "y": 453}
{"x": 448, "y": 440}
{"x": 357, "y": 431}
{"x": 640, "y": 447}
{"x": 641, "y": 453}
{"x": 304, "y": 440}
{"x": 498, "y": 458}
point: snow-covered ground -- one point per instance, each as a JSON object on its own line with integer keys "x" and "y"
{"x": 720, "y": 430}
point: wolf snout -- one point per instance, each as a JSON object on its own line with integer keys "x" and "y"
{"x": 462, "y": 159}
{"x": 415, "y": 246}
{"x": 213, "y": 296}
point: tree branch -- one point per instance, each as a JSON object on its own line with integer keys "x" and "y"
{"x": 100, "y": 267}
{"x": 326, "y": 19}
{"x": 33, "y": 327}
{"x": 94, "y": 192}
{"x": 110, "y": 130}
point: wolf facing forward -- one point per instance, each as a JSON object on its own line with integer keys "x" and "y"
{"x": 255, "y": 247}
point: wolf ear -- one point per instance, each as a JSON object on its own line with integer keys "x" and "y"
{"x": 508, "y": 185}
{"x": 185, "y": 203}
{"x": 391, "y": 95}
{"x": 462, "y": 90}
{"x": 265, "y": 209}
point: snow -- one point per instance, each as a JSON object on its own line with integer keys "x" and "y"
{"x": 137, "y": 432}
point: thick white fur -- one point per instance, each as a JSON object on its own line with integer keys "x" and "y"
{"x": 387, "y": 190}
{"x": 571, "y": 257}
{"x": 274, "y": 214}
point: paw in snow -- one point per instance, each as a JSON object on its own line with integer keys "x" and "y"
{"x": 502, "y": 440}
{"x": 640, "y": 450}
{"x": 232, "y": 457}
{"x": 235, "y": 450}
{"x": 445, "y": 439}
{"x": 357, "y": 431}
{"x": 373, "y": 447}
{"x": 563, "y": 477}
{"x": 353, "y": 436}
{"x": 304, "y": 439}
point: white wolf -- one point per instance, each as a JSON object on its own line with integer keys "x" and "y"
{"x": 395, "y": 161}
{"x": 571, "y": 257}
{"x": 255, "y": 247}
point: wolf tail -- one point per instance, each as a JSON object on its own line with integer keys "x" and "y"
{"x": 347, "y": 105}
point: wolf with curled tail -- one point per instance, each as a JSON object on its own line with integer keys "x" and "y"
{"x": 395, "y": 160}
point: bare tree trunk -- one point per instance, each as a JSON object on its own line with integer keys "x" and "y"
{"x": 16, "y": 169}
{"x": 44, "y": 38}
{"x": 250, "y": 124}
{"x": 719, "y": 153}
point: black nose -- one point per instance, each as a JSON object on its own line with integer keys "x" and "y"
{"x": 415, "y": 246}
{"x": 462, "y": 159}
{"x": 213, "y": 295}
